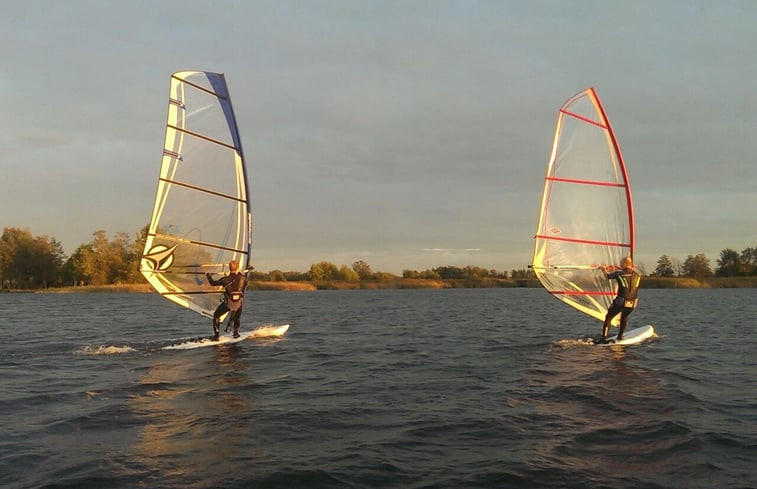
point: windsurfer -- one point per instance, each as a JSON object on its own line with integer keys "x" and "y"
{"x": 234, "y": 284}
{"x": 626, "y": 299}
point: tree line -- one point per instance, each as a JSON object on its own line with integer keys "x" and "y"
{"x": 730, "y": 264}
{"x": 28, "y": 262}
{"x": 361, "y": 271}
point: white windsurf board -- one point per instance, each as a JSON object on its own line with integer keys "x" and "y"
{"x": 227, "y": 339}
{"x": 631, "y": 337}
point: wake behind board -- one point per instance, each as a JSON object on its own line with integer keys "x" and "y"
{"x": 631, "y": 337}
{"x": 261, "y": 332}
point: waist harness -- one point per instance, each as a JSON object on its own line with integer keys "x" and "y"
{"x": 235, "y": 291}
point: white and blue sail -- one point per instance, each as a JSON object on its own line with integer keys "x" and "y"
{"x": 201, "y": 219}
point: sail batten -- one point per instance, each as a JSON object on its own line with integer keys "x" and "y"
{"x": 585, "y": 182}
{"x": 200, "y": 189}
{"x": 201, "y": 136}
{"x": 584, "y": 241}
{"x": 585, "y": 119}
{"x": 186, "y": 81}
{"x": 586, "y": 212}
{"x": 201, "y": 218}
{"x": 175, "y": 239}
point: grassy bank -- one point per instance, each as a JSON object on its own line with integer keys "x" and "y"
{"x": 702, "y": 283}
{"x": 487, "y": 283}
{"x": 398, "y": 283}
{"x": 412, "y": 283}
{"x": 136, "y": 288}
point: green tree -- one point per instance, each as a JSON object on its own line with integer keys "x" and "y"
{"x": 296, "y": 276}
{"x": 348, "y": 274}
{"x": 475, "y": 272}
{"x": 123, "y": 259}
{"x": 697, "y": 266}
{"x": 363, "y": 270}
{"x": 430, "y": 275}
{"x": 277, "y": 276}
{"x": 84, "y": 266}
{"x": 520, "y": 273}
{"x": 729, "y": 264}
{"x": 50, "y": 259}
{"x": 749, "y": 260}
{"x": 29, "y": 262}
{"x": 384, "y": 276}
{"x": 323, "y": 272}
{"x": 664, "y": 267}
{"x": 134, "y": 256}
{"x": 449, "y": 272}
{"x": 103, "y": 261}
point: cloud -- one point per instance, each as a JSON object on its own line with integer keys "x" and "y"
{"x": 384, "y": 128}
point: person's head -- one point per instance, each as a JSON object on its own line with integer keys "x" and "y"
{"x": 233, "y": 265}
{"x": 626, "y": 262}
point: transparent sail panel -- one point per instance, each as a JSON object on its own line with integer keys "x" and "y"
{"x": 585, "y": 219}
{"x": 201, "y": 217}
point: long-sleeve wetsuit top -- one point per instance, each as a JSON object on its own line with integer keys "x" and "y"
{"x": 233, "y": 282}
{"x": 628, "y": 283}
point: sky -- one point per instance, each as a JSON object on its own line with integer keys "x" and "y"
{"x": 408, "y": 134}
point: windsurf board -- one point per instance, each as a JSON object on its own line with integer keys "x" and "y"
{"x": 631, "y": 337}
{"x": 227, "y": 339}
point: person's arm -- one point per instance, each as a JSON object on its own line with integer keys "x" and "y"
{"x": 211, "y": 281}
{"x": 610, "y": 275}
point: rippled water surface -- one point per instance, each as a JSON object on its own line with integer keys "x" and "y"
{"x": 408, "y": 389}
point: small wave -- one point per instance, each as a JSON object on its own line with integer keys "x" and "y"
{"x": 573, "y": 342}
{"x": 104, "y": 350}
{"x": 270, "y": 331}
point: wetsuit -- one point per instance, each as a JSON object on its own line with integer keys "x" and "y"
{"x": 234, "y": 285}
{"x": 625, "y": 302}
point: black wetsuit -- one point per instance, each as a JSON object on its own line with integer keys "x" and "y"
{"x": 625, "y": 302}
{"x": 234, "y": 286}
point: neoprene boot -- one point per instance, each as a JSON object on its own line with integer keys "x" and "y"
{"x": 216, "y": 330}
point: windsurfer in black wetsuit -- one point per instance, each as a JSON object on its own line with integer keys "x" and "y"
{"x": 625, "y": 302}
{"x": 234, "y": 284}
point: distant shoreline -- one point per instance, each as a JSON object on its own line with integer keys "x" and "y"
{"x": 412, "y": 283}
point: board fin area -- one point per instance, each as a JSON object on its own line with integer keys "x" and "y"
{"x": 261, "y": 332}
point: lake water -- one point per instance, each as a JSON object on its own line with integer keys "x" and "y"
{"x": 486, "y": 388}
